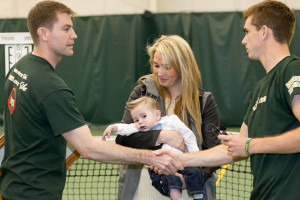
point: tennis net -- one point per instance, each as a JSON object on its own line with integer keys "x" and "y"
{"x": 90, "y": 180}
{"x": 235, "y": 181}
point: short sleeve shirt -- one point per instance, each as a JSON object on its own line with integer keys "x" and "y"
{"x": 39, "y": 107}
{"x": 269, "y": 114}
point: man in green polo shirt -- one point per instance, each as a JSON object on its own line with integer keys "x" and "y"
{"x": 270, "y": 133}
{"x": 40, "y": 115}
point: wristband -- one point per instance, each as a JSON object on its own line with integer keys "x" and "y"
{"x": 247, "y": 147}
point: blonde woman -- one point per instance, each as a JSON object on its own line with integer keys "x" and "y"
{"x": 176, "y": 84}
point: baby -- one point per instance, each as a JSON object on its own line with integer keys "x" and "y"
{"x": 146, "y": 115}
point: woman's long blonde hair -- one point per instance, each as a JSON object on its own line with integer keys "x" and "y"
{"x": 177, "y": 53}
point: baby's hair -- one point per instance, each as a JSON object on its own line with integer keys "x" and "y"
{"x": 143, "y": 100}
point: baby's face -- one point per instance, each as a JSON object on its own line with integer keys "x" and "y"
{"x": 145, "y": 117}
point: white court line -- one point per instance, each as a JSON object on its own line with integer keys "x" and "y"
{"x": 110, "y": 139}
{"x": 233, "y": 133}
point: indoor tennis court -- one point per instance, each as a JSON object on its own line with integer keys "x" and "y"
{"x": 105, "y": 47}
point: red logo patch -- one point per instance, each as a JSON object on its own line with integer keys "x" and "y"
{"x": 12, "y": 101}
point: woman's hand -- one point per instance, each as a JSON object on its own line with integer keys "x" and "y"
{"x": 172, "y": 138}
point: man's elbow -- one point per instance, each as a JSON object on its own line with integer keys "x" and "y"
{"x": 87, "y": 153}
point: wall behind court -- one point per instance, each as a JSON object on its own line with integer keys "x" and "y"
{"x": 110, "y": 56}
{"x": 20, "y": 8}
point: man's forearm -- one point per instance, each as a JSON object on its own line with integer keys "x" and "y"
{"x": 212, "y": 157}
{"x": 117, "y": 154}
{"x": 99, "y": 150}
{"x": 113, "y": 153}
{"x": 286, "y": 143}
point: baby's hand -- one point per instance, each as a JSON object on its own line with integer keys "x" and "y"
{"x": 108, "y": 130}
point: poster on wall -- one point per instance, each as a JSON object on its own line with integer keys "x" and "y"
{"x": 16, "y": 46}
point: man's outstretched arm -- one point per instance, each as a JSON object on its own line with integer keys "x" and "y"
{"x": 218, "y": 155}
{"x": 99, "y": 150}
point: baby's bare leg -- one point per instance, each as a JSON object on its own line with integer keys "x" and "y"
{"x": 175, "y": 194}
{"x": 182, "y": 180}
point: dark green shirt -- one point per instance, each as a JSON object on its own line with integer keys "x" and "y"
{"x": 39, "y": 107}
{"x": 276, "y": 176}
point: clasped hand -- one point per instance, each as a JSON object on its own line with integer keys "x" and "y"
{"x": 167, "y": 162}
{"x": 235, "y": 144}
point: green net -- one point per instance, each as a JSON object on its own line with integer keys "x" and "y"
{"x": 235, "y": 182}
{"x": 90, "y": 180}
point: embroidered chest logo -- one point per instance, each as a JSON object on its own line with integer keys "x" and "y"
{"x": 12, "y": 101}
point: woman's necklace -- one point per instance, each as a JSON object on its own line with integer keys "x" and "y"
{"x": 170, "y": 105}
{"x": 173, "y": 102}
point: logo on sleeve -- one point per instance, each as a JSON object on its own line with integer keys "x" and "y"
{"x": 293, "y": 83}
{"x": 12, "y": 101}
